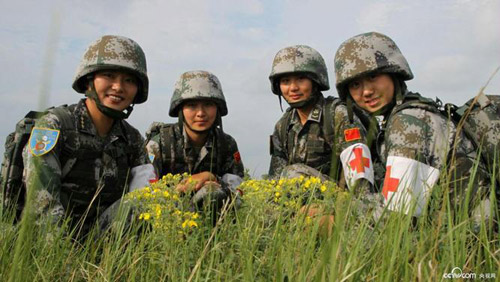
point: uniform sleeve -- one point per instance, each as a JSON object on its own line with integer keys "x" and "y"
{"x": 352, "y": 150}
{"x": 153, "y": 148}
{"x": 417, "y": 143}
{"x": 233, "y": 163}
{"x": 279, "y": 158}
{"x": 139, "y": 153}
{"x": 42, "y": 174}
{"x": 142, "y": 172}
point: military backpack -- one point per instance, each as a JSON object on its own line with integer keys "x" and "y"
{"x": 13, "y": 190}
{"x": 478, "y": 119}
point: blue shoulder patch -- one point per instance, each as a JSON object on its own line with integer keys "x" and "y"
{"x": 42, "y": 140}
{"x": 151, "y": 157}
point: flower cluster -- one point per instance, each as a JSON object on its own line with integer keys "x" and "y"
{"x": 289, "y": 194}
{"x": 163, "y": 207}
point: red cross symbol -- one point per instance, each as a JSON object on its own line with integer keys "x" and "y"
{"x": 359, "y": 161}
{"x": 390, "y": 184}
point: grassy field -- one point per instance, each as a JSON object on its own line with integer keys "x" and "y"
{"x": 268, "y": 238}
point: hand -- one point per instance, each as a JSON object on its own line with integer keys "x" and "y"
{"x": 325, "y": 220}
{"x": 312, "y": 210}
{"x": 196, "y": 181}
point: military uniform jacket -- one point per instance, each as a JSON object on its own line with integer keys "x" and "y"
{"x": 309, "y": 144}
{"x": 83, "y": 169}
{"x": 416, "y": 142}
{"x": 171, "y": 152}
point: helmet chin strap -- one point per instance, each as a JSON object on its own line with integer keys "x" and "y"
{"x": 309, "y": 101}
{"x": 112, "y": 113}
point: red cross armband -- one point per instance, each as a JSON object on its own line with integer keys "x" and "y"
{"x": 408, "y": 184}
{"x": 357, "y": 163}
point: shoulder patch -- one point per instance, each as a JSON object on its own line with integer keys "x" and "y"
{"x": 352, "y": 134}
{"x": 42, "y": 140}
{"x": 237, "y": 157}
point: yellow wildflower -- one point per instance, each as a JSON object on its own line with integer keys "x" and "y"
{"x": 322, "y": 188}
{"x": 145, "y": 216}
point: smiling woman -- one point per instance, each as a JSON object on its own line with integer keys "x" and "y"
{"x": 98, "y": 156}
{"x": 115, "y": 89}
{"x": 197, "y": 144}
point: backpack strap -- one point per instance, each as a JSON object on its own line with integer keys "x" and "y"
{"x": 69, "y": 154}
{"x": 329, "y": 132}
{"x": 222, "y": 143}
{"x": 328, "y": 125}
{"x": 415, "y": 101}
{"x": 283, "y": 131}
{"x": 166, "y": 132}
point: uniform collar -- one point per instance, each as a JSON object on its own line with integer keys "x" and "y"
{"x": 187, "y": 143}
{"x": 314, "y": 115}
{"x": 85, "y": 124}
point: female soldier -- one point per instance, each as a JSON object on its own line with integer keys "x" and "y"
{"x": 196, "y": 144}
{"x": 315, "y": 134}
{"x": 82, "y": 158}
{"x": 414, "y": 141}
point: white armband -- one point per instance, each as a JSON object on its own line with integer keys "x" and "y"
{"x": 408, "y": 184}
{"x": 141, "y": 176}
{"x": 357, "y": 163}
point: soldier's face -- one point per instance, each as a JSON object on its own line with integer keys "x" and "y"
{"x": 115, "y": 89}
{"x": 199, "y": 115}
{"x": 372, "y": 92}
{"x": 296, "y": 88}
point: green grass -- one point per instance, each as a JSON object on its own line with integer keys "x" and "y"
{"x": 264, "y": 240}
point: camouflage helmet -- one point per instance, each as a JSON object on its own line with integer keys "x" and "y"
{"x": 299, "y": 59}
{"x": 366, "y": 53}
{"x": 112, "y": 52}
{"x": 197, "y": 85}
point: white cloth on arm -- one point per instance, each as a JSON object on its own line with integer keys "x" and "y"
{"x": 357, "y": 163}
{"x": 141, "y": 176}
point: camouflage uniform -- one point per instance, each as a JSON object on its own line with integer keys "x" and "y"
{"x": 413, "y": 141}
{"x": 84, "y": 173}
{"x": 171, "y": 151}
{"x": 328, "y": 132}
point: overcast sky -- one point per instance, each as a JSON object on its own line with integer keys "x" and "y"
{"x": 453, "y": 46}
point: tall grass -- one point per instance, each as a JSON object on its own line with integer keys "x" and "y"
{"x": 262, "y": 241}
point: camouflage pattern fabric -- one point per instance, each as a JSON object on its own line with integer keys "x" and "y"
{"x": 171, "y": 152}
{"x": 430, "y": 138}
{"x": 186, "y": 158}
{"x": 299, "y": 59}
{"x": 366, "y": 53}
{"x": 307, "y": 144}
{"x": 197, "y": 85}
{"x": 418, "y": 137}
{"x": 84, "y": 174}
{"x": 298, "y": 170}
{"x": 424, "y": 135}
{"x": 112, "y": 52}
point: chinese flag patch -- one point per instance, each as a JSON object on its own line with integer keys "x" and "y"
{"x": 352, "y": 134}
{"x": 237, "y": 157}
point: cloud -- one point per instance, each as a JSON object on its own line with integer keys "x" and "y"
{"x": 452, "y": 46}
{"x": 379, "y": 15}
